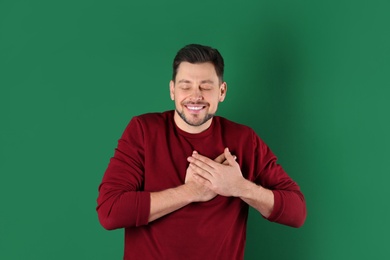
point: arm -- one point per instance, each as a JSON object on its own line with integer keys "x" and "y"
{"x": 122, "y": 201}
{"x": 258, "y": 197}
{"x": 170, "y": 200}
{"x": 289, "y": 202}
{"x": 120, "y": 206}
{"x": 283, "y": 204}
{"x": 167, "y": 201}
{"x": 227, "y": 180}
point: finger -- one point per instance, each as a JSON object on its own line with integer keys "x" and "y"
{"x": 203, "y": 160}
{"x": 200, "y": 174}
{"x": 200, "y": 171}
{"x": 229, "y": 157}
{"x": 220, "y": 159}
{"x": 226, "y": 162}
{"x": 200, "y": 179}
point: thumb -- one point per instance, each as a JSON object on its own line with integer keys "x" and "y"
{"x": 229, "y": 157}
{"x": 221, "y": 158}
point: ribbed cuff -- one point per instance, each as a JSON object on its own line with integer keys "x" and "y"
{"x": 143, "y": 209}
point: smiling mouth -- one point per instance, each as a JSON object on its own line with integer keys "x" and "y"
{"x": 194, "y": 108}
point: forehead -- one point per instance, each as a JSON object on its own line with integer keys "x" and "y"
{"x": 195, "y": 71}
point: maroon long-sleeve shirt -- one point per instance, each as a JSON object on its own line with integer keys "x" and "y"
{"x": 152, "y": 156}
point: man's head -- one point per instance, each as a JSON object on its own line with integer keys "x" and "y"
{"x": 196, "y": 53}
{"x": 197, "y": 86}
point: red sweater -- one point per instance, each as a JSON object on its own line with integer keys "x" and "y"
{"x": 152, "y": 156}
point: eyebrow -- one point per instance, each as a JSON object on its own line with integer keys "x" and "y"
{"x": 202, "y": 82}
{"x": 184, "y": 81}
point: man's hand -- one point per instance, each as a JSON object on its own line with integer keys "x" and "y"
{"x": 194, "y": 190}
{"x": 201, "y": 191}
{"x": 221, "y": 178}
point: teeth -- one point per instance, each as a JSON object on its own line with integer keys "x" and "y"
{"x": 195, "y": 108}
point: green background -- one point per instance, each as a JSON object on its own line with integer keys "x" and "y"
{"x": 311, "y": 77}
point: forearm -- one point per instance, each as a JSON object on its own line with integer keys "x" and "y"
{"x": 168, "y": 201}
{"x": 257, "y": 197}
{"x": 119, "y": 209}
{"x": 285, "y": 207}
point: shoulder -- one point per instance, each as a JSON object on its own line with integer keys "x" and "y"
{"x": 147, "y": 124}
{"x": 151, "y": 119}
{"x": 239, "y": 132}
{"x": 232, "y": 126}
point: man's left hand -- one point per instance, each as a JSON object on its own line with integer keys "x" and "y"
{"x": 223, "y": 179}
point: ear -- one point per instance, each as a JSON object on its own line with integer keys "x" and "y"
{"x": 172, "y": 89}
{"x": 222, "y": 91}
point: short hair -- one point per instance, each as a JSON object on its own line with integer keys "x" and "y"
{"x": 196, "y": 53}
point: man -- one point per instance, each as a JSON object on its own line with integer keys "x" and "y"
{"x": 181, "y": 182}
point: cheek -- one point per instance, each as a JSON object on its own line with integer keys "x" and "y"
{"x": 214, "y": 97}
{"x": 182, "y": 96}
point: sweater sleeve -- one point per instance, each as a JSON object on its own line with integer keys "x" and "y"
{"x": 289, "y": 202}
{"x": 121, "y": 201}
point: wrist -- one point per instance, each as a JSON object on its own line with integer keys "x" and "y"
{"x": 243, "y": 188}
{"x": 188, "y": 192}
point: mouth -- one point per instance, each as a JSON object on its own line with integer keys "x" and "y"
{"x": 195, "y": 108}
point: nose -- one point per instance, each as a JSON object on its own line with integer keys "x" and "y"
{"x": 196, "y": 94}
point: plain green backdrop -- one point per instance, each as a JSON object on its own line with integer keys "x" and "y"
{"x": 311, "y": 77}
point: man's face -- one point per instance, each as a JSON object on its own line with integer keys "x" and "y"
{"x": 196, "y": 92}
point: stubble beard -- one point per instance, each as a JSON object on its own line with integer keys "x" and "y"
{"x": 207, "y": 117}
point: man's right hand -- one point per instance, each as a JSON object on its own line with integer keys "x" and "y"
{"x": 166, "y": 201}
{"x": 200, "y": 192}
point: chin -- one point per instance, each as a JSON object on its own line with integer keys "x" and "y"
{"x": 196, "y": 120}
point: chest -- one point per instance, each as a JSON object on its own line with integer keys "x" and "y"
{"x": 166, "y": 159}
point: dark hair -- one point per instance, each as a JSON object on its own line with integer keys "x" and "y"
{"x": 196, "y": 53}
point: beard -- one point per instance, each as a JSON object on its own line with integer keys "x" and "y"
{"x": 199, "y": 122}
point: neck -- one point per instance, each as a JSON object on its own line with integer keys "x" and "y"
{"x": 180, "y": 123}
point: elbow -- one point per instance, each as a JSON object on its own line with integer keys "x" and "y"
{"x": 300, "y": 217}
{"x": 107, "y": 219}
{"x": 300, "y": 212}
{"x": 111, "y": 220}
{"x": 123, "y": 210}
{"x": 107, "y": 222}
{"x": 299, "y": 222}
{"x": 295, "y": 220}
{"x": 107, "y": 225}
{"x": 289, "y": 210}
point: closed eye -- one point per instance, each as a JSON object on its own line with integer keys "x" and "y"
{"x": 184, "y": 87}
{"x": 206, "y": 87}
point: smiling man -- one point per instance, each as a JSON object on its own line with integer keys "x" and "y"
{"x": 196, "y": 90}
{"x": 180, "y": 182}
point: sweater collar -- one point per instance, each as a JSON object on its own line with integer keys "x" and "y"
{"x": 203, "y": 134}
